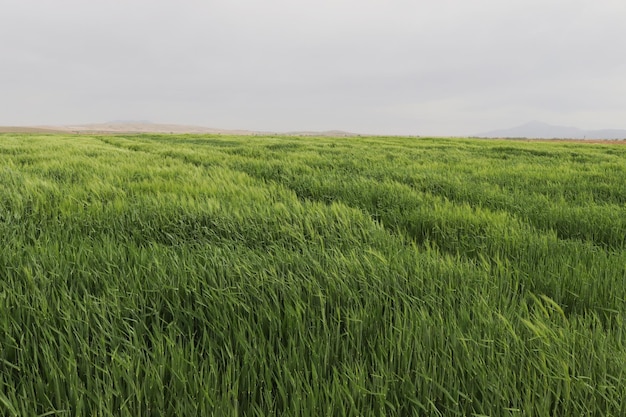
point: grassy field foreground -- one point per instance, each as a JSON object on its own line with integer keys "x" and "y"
{"x": 217, "y": 275}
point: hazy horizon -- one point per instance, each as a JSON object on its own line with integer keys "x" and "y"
{"x": 398, "y": 67}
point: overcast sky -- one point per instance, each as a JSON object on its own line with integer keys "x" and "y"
{"x": 419, "y": 67}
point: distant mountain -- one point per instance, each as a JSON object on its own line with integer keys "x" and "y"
{"x": 130, "y": 126}
{"x": 540, "y": 130}
{"x": 331, "y": 133}
{"x": 129, "y": 122}
{"x": 143, "y": 126}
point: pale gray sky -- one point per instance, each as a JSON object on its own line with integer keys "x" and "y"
{"x": 424, "y": 67}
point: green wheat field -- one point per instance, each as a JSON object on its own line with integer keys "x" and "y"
{"x": 195, "y": 275}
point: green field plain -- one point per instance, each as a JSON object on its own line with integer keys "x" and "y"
{"x": 162, "y": 275}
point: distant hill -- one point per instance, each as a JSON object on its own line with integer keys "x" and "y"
{"x": 332, "y": 133}
{"x": 27, "y": 129}
{"x": 143, "y": 126}
{"x": 540, "y": 130}
{"x": 121, "y": 127}
{"x": 140, "y": 127}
